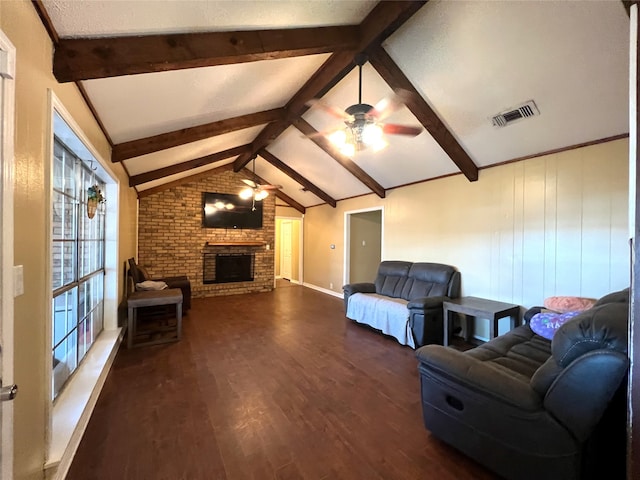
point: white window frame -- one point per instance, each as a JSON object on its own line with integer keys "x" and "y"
{"x": 81, "y": 172}
{"x": 69, "y": 415}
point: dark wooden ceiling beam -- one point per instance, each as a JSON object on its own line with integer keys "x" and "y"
{"x": 283, "y": 196}
{"x": 287, "y": 170}
{"x": 186, "y": 166}
{"x": 391, "y": 73}
{"x": 278, "y": 193}
{"x": 184, "y": 180}
{"x": 346, "y": 162}
{"x": 385, "y": 18}
{"x": 87, "y": 58}
{"x": 155, "y": 143}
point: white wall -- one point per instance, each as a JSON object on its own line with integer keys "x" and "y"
{"x": 552, "y": 225}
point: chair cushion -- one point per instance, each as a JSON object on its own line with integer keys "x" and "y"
{"x": 143, "y": 272}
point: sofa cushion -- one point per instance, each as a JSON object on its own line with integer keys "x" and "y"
{"x": 427, "y": 280}
{"x": 616, "y": 297}
{"x": 520, "y": 352}
{"x": 601, "y": 328}
{"x": 389, "y": 315}
{"x": 391, "y": 278}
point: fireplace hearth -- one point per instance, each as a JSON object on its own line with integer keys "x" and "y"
{"x": 228, "y": 267}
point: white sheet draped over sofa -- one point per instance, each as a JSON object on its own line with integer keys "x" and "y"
{"x": 390, "y": 315}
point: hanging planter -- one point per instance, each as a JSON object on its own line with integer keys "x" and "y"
{"x": 94, "y": 198}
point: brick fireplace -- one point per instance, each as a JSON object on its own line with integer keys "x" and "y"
{"x": 172, "y": 241}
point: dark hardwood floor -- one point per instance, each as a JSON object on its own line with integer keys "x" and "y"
{"x": 273, "y": 385}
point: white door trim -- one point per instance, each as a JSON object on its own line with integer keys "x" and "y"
{"x": 300, "y": 246}
{"x": 347, "y": 237}
{"x": 6, "y": 248}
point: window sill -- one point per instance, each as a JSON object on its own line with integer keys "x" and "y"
{"x": 74, "y": 405}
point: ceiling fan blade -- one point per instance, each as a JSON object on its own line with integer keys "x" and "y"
{"x": 270, "y": 187}
{"x": 391, "y": 103}
{"x": 394, "y": 129}
{"x": 251, "y": 183}
{"x": 324, "y": 133}
{"x": 330, "y": 109}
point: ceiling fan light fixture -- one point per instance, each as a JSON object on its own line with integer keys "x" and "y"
{"x": 348, "y": 149}
{"x": 261, "y": 195}
{"x": 371, "y": 134}
{"x": 338, "y": 138}
{"x": 246, "y": 193}
{"x": 379, "y": 145}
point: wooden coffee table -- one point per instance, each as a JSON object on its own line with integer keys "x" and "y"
{"x": 482, "y": 308}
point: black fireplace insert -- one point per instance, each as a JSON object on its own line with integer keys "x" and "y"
{"x": 228, "y": 267}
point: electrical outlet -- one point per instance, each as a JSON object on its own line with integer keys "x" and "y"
{"x": 331, "y": 286}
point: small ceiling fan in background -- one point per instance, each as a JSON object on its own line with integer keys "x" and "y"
{"x": 255, "y": 190}
{"x": 364, "y": 125}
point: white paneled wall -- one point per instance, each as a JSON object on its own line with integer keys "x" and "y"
{"x": 525, "y": 231}
{"x": 553, "y": 225}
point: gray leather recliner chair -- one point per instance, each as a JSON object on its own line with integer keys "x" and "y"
{"x": 530, "y": 408}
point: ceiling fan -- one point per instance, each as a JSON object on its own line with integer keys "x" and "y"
{"x": 255, "y": 190}
{"x": 364, "y": 126}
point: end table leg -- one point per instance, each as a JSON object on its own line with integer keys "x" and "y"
{"x": 179, "y": 319}
{"x": 445, "y": 340}
{"x": 130, "y": 322}
{"x": 493, "y": 327}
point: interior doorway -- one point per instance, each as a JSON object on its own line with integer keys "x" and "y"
{"x": 363, "y": 244}
{"x": 288, "y": 249}
{"x": 7, "y": 126}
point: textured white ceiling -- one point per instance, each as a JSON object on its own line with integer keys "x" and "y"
{"x": 468, "y": 59}
{"x": 74, "y": 18}
{"x": 472, "y": 60}
{"x": 190, "y": 151}
{"x": 138, "y": 106}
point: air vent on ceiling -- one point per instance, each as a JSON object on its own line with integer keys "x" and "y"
{"x": 512, "y": 115}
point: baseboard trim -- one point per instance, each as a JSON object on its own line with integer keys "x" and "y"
{"x": 323, "y": 290}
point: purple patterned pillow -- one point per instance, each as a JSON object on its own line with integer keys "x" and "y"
{"x": 546, "y": 324}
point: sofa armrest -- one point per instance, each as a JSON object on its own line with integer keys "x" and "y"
{"x": 352, "y": 288}
{"x": 424, "y": 303}
{"x": 477, "y": 376}
{"x": 564, "y": 397}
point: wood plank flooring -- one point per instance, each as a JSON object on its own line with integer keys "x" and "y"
{"x": 275, "y": 385}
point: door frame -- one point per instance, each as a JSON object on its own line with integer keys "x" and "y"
{"x": 300, "y": 247}
{"x": 285, "y": 221}
{"x": 347, "y": 238}
{"x": 7, "y": 71}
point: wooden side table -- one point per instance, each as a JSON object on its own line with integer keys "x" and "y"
{"x": 479, "y": 307}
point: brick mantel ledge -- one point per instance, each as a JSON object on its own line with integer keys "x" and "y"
{"x": 235, "y": 244}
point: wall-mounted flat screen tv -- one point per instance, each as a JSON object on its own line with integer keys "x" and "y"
{"x": 226, "y": 210}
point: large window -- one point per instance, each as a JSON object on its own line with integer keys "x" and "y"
{"x": 78, "y": 250}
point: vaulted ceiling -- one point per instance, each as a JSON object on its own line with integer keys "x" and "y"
{"x": 181, "y": 88}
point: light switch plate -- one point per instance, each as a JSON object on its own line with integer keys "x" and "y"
{"x": 18, "y": 280}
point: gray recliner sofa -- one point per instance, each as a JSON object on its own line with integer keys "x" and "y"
{"x": 530, "y": 408}
{"x": 405, "y": 300}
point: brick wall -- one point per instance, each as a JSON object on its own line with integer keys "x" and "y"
{"x": 171, "y": 239}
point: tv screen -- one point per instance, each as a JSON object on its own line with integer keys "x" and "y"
{"x": 226, "y": 210}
